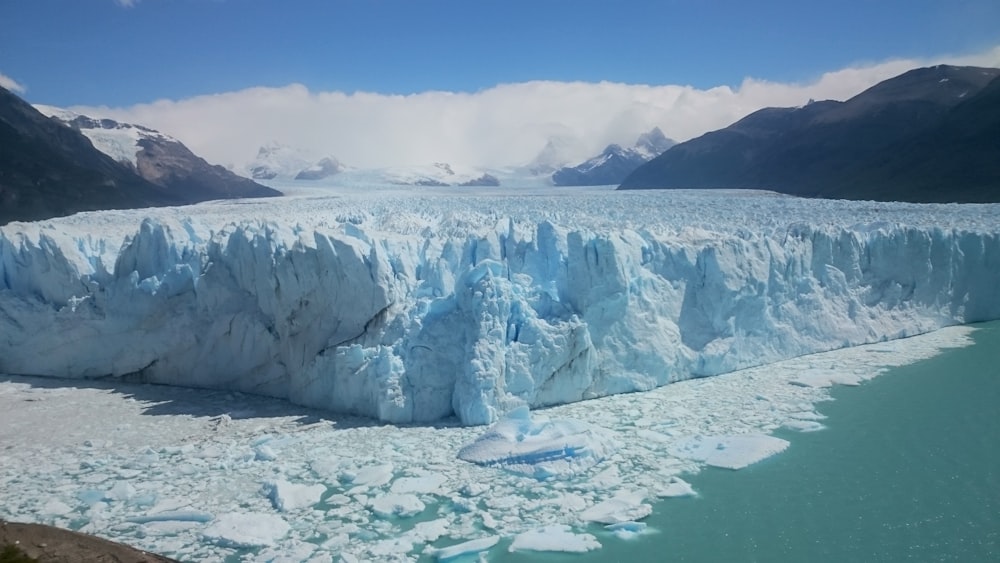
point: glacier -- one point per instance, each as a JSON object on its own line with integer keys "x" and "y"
{"x": 415, "y": 306}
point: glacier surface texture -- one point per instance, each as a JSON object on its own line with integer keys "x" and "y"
{"x": 412, "y": 307}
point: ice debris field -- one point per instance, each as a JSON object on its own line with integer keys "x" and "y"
{"x": 222, "y": 476}
{"x": 428, "y": 310}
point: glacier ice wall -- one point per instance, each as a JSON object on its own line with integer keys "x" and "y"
{"x": 473, "y": 315}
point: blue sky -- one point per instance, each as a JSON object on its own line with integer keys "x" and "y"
{"x": 92, "y": 52}
{"x": 473, "y": 82}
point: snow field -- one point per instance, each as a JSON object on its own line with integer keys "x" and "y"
{"x": 179, "y": 471}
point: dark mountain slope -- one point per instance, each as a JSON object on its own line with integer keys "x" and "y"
{"x": 162, "y": 160}
{"x": 48, "y": 169}
{"x": 957, "y": 159}
{"x": 854, "y": 149}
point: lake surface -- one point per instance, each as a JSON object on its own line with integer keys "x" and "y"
{"x": 908, "y": 469}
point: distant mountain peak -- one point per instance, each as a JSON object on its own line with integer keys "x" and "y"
{"x": 614, "y": 163}
{"x": 276, "y": 160}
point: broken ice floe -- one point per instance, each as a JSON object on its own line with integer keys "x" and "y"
{"x": 539, "y": 447}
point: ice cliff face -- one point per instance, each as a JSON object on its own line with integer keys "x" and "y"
{"x": 423, "y": 308}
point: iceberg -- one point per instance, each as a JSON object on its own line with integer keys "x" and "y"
{"x": 539, "y": 447}
{"x": 554, "y": 538}
{"x": 419, "y": 307}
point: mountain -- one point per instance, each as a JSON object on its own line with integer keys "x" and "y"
{"x": 278, "y": 161}
{"x": 615, "y": 163}
{"x": 324, "y": 168}
{"x": 439, "y": 174}
{"x": 928, "y": 135}
{"x": 552, "y": 156}
{"x": 160, "y": 159}
{"x": 48, "y": 170}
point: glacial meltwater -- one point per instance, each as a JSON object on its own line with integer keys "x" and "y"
{"x": 907, "y": 469}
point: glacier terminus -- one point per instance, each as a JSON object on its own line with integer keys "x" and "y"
{"x": 422, "y": 305}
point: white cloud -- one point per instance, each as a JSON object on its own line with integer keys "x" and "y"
{"x": 11, "y": 84}
{"x": 126, "y": 3}
{"x": 504, "y": 125}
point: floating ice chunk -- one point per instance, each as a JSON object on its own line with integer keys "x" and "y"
{"x": 430, "y": 531}
{"x": 473, "y": 489}
{"x": 90, "y": 496}
{"x": 373, "y": 475}
{"x": 246, "y": 529}
{"x": 569, "y": 502}
{"x": 536, "y": 446}
{"x": 56, "y": 508}
{"x": 172, "y": 516}
{"x": 626, "y": 530}
{"x": 556, "y": 537}
{"x": 728, "y": 452}
{"x": 291, "y": 552}
{"x": 826, "y": 378}
{"x": 623, "y": 507}
{"x": 394, "y": 504}
{"x": 652, "y": 436}
{"x": 803, "y": 425}
{"x": 464, "y": 548}
{"x": 168, "y": 527}
{"x": 676, "y": 488}
{"x": 287, "y": 496}
{"x": 121, "y": 491}
{"x": 264, "y": 452}
{"x": 424, "y": 484}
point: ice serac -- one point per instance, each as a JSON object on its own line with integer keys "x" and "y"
{"x": 435, "y": 315}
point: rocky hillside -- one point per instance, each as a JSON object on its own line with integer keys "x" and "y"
{"x": 50, "y": 167}
{"x": 928, "y": 135}
{"x": 161, "y": 159}
{"x": 48, "y": 170}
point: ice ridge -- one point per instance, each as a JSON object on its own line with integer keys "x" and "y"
{"x": 450, "y": 317}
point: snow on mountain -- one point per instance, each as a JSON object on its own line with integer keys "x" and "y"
{"x": 614, "y": 163}
{"x": 555, "y": 154}
{"x": 652, "y": 143}
{"x": 438, "y": 174}
{"x": 159, "y": 159}
{"x": 277, "y": 161}
{"x": 120, "y": 141}
{"x": 418, "y": 307}
{"x": 323, "y": 168}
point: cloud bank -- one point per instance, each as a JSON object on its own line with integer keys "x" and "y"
{"x": 11, "y": 84}
{"x": 506, "y": 125}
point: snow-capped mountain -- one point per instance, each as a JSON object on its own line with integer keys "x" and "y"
{"x": 159, "y": 158}
{"x": 615, "y": 163}
{"x": 276, "y": 161}
{"x": 554, "y": 155}
{"x": 120, "y": 141}
{"x": 323, "y": 168}
{"x": 437, "y": 174}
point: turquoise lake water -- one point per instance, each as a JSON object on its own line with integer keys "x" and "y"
{"x": 908, "y": 469}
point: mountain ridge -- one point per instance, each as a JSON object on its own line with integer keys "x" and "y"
{"x": 838, "y": 149}
{"x": 49, "y": 166}
{"x": 615, "y": 162}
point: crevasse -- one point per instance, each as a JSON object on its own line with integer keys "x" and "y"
{"x": 457, "y": 319}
